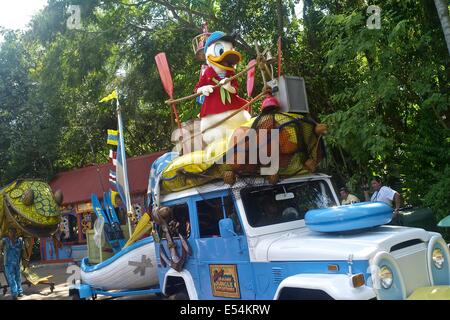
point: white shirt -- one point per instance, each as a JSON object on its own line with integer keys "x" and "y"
{"x": 385, "y": 194}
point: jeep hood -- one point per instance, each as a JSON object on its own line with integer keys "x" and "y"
{"x": 307, "y": 245}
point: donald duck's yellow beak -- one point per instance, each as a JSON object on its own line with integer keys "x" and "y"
{"x": 226, "y": 60}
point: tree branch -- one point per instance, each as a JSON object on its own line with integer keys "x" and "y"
{"x": 176, "y": 8}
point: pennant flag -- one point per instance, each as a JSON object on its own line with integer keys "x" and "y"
{"x": 110, "y": 97}
{"x": 113, "y": 137}
{"x": 113, "y": 184}
{"x": 120, "y": 174}
{"x": 112, "y": 157}
{"x": 112, "y": 177}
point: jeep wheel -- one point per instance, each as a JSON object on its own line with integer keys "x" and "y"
{"x": 182, "y": 295}
{"x": 76, "y": 296}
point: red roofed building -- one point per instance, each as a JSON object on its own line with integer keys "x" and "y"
{"x": 77, "y": 186}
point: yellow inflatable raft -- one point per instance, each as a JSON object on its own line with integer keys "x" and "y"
{"x": 300, "y": 151}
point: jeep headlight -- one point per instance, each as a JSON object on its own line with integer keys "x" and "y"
{"x": 438, "y": 258}
{"x": 386, "y": 277}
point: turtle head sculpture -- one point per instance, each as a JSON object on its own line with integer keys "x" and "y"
{"x": 31, "y": 208}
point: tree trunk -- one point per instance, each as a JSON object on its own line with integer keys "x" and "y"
{"x": 308, "y": 20}
{"x": 280, "y": 18}
{"x": 442, "y": 9}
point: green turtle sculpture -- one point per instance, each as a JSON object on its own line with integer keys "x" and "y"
{"x": 32, "y": 209}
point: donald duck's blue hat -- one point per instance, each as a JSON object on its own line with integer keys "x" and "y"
{"x": 216, "y": 36}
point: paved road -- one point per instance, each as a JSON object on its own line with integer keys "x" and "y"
{"x": 60, "y": 278}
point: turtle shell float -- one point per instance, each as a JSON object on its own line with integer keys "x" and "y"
{"x": 31, "y": 207}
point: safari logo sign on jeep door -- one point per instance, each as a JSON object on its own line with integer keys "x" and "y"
{"x": 224, "y": 280}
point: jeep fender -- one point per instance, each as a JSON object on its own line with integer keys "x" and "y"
{"x": 337, "y": 286}
{"x": 189, "y": 282}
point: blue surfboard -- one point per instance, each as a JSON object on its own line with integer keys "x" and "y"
{"x": 356, "y": 216}
{"x": 113, "y": 218}
{"x": 107, "y": 227}
{"x": 107, "y": 204}
{"x": 98, "y": 209}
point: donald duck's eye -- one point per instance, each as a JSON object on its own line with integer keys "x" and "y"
{"x": 218, "y": 49}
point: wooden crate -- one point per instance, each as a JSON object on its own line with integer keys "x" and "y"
{"x": 93, "y": 250}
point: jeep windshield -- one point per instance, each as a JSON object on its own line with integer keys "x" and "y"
{"x": 268, "y": 205}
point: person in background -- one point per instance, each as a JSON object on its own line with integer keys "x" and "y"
{"x": 384, "y": 194}
{"x": 347, "y": 197}
{"x": 270, "y": 213}
{"x": 12, "y": 248}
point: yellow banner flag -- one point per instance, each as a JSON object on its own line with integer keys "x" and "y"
{"x": 113, "y": 137}
{"x": 113, "y": 95}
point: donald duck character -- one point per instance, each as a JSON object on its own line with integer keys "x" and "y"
{"x": 219, "y": 103}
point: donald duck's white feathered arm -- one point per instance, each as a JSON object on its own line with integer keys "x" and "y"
{"x": 206, "y": 90}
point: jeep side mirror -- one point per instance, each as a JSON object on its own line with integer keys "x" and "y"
{"x": 226, "y": 227}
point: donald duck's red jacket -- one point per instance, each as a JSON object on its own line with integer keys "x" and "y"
{"x": 215, "y": 102}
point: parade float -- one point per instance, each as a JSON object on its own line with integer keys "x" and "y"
{"x": 32, "y": 209}
{"x": 227, "y": 224}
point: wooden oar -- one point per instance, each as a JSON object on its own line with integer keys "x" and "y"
{"x": 235, "y": 112}
{"x": 166, "y": 79}
{"x": 195, "y": 95}
{"x": 251, "y": 77}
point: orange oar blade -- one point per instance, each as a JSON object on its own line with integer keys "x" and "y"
{"x": 164, "y": 73}
{"x": 251, "y": 77}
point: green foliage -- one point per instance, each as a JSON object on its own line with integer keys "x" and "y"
{"x": 438, "y": 196}
{"x": 389, "y": 97}
{"x": 384, "y": 93}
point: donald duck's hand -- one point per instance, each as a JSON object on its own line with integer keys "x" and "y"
{"x": 227, "y": 86}
{"x": 205, "y": 90}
